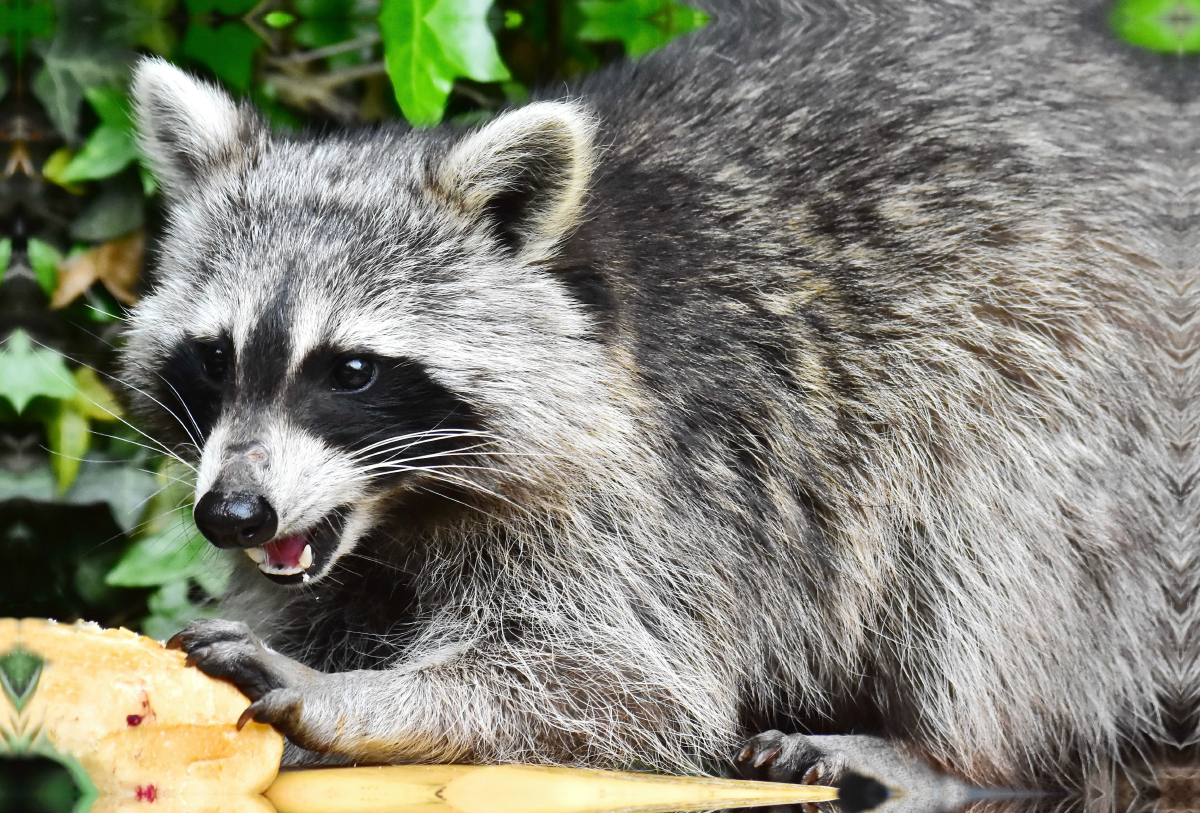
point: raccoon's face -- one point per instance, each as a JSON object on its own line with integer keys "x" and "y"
{"x": 346, "y": 323}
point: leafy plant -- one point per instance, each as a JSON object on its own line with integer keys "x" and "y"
{"x": 1166, "y": 26}
{"x": 430, "y": 43}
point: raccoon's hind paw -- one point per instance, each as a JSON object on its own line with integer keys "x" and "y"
{"x": 230, "y": 651}
{"x": 777, "y": 757}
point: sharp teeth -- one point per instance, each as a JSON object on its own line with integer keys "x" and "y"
{"x": 257, "y": 554}
{"x": 306, "y": 558}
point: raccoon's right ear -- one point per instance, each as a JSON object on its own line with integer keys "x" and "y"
{"x": 524, "y": 174}
{"x": 188, "y": 127}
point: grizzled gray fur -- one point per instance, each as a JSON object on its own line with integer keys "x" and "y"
{"x": 815, "y": 373}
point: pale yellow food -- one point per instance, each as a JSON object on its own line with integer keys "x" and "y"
{"x": 156, "y": 736}
{"x": 519, "y": 789}
{"x": 153, "y": 735}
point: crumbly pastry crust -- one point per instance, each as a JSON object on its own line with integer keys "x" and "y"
{"x": 145, "y": 727}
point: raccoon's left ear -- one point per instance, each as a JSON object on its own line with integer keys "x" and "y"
{"x": 525, "y": 173}
{"x": 189, "y": 127}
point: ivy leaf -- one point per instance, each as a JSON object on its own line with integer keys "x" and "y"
{"x": 228, "y": 51}
{"x": 429, "y": 43}
{"x": 43, "y": 260}
{"x": 124, "y": 488}
{"x": 1166, "y": 26}
{"x": 54, "y": 166}
{"x": 92, "y": 399}
{"x": 26, "y": 373}
{"x": 73, "y": 62}
{"x": 639, "y": 25}
{"x": 421, "y": 76}
{"x": 111, "y": 146}
{"x": 462, "y": 31}
{"x": 70, "y": 436}
{"x": 174, "y": 552}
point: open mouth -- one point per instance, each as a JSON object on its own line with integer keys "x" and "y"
{"x": 292, "y": 559}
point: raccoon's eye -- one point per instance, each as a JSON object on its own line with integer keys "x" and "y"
{"x": 215, "y": 360}
{"x": 353, "y": 374}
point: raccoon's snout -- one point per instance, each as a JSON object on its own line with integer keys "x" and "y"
{"x": 238, "y": 520}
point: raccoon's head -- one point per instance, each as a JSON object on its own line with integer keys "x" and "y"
{"x": 341, "y": 324}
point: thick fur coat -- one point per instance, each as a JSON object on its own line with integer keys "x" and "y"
{"x": 819, "y": 377}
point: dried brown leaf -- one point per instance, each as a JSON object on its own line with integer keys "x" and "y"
{"x": 115, "y": 263}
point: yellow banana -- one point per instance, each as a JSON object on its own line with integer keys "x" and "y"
{"x": 518, "y": 789}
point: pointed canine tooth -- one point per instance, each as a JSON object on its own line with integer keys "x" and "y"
{"x": 306, "y": 557}
{"x": 257, "y": 554}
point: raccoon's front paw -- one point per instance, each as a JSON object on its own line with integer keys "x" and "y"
{"x": 275, "y": 683}
{"x": 777, "y": 757}
{"x": 230, "y": 651}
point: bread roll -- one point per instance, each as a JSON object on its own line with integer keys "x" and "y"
{"x": 152, "y": 734}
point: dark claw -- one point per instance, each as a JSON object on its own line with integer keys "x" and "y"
{"x": 280, "y": 708}
{"x": 196, "y": 656}
{"x": 775, "y": 757}
{"x": 766, "y": 756}
{"x": 252, "y": 711}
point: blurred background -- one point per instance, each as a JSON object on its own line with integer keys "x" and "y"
{"x": 94, "y": 523}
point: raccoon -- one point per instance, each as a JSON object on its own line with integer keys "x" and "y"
{"x": 800, "y": 379}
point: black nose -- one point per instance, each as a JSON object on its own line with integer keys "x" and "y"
{"x": 241, "y": 520}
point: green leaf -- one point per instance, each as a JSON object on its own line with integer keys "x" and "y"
{"x": 1166, "y": 26}
{"x": 111, "y": 105}
{"x": 177, "y": 552}
{"x": 70, "y": 436}
{"x": 420, "y": 73}
{"x": 92, "y": 399}
{"x": 124, "y": 488}
{"x": 117, "y": 211}
{"x": 228, "y": 51}
{"x": 26, "y": 373}
{"x": 5, "y": 255}
{"x": 640, "y": 25}
{"x": 55, "y": 165}
{"x": 149, "y": 185}
{"x": 107, "y": 151}
{"x": 101, "y": 307}
{"x": 429, "y": 43}
{"x": 72, "y": 63}
{"x": 44, "y": 259}
{"x": 462, "y": 31}
{"x": 111, "y": 146}
{"x": 279, "y": 19}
